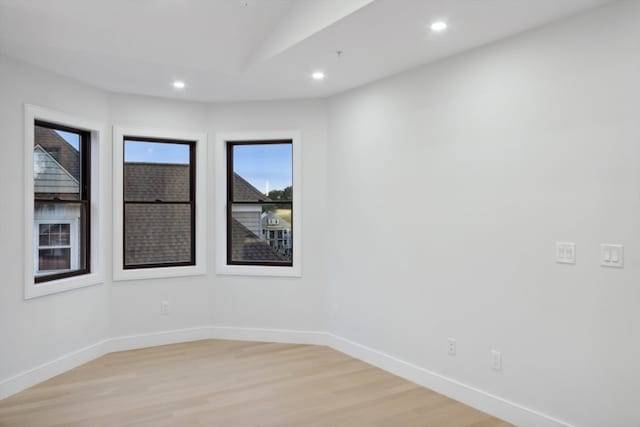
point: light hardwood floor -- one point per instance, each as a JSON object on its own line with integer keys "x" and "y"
{"x": 233, "y": 383}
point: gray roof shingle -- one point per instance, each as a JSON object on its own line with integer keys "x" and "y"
{"x": 161, "y": 233}
{"x": 157, "y": 233}
{"x": 243, "y": 191}
{"x": 246, "y": 246}
{"x": 167, "y": 182}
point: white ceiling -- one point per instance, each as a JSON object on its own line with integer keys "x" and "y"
{"x": 229, "y": 50}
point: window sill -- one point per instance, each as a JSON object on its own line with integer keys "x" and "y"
{"x": 61, "y": 285}
{"x": 252, "y": 270}
{"x": 158, "y": 273}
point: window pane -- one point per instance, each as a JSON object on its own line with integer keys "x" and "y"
{"x": 157, "y": 233}
{"x": 156, "y": 171}
{"x": 261, "y": 233}
{"x": 54, "y": 259}
{"x": 44, "y": 234}
{"x": 60, "y": 241}
{"x": 55, "y": 234}
{"x": 56, "y": 164}
{"x": 262, "y": 170}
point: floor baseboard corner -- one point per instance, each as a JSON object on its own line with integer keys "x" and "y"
{"x": 501, "y": 408}
{"x": 47, "y": 370}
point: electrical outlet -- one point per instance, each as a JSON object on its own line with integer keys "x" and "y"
{"x": 565, "y": 252}
{"x": 164, "y": 307}
{"x": 496, "y": 360}
{"x": 452, "y": 347}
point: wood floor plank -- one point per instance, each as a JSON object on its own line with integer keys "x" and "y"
{"x": 233, "y": 384}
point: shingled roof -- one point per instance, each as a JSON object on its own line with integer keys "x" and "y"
{"x": 246, "y": 246}
{"x": 161, "y": 233}
{"x": 157, "y": 233}
{"x": 243, "y": 191}
{"x": 167, "y": 182}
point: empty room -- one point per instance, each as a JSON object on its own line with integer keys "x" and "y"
{"x": 323, "y": 213}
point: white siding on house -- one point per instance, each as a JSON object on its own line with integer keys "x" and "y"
{"x": 249, "y": 216}
{"x": 50, "y": 176}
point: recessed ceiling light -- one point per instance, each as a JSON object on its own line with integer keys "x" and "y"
{"x": 318, "y": 75}
{"x": 178, "y": 84}
{"x": 439, "y": 26}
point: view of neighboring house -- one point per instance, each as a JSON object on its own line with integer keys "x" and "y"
{"x": 247, "y": 215}
{"x": 251, "y": 230}
{"x": 277, "y": 232}
{"x": 56, "y": 233}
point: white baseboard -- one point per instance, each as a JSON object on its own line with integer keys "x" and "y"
{"x": 31, "y": 377}
{"x": 62, "y": 364}
{"x": 268, "y": 335}
{"x": 154, "y": 339}
{"x": 481, "y": 400}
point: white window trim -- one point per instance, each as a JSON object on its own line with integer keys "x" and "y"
{"x": 119, "y": 273}
{"x": 74, "y": 242}
{"x": 98, "y": 159}
{"x": 222, "y": 268}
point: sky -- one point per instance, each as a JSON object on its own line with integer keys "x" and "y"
{"x": 266, "y": 166}
{"x": 155, "y": 152}
{"x": 72, "y": 138}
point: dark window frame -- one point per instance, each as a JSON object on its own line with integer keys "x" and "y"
{"x": 191, "y": 202}
{"x": 84, "y": 228}
{"x": 231, "y": 202}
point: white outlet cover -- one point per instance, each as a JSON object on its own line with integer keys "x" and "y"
{"x": 565, "y": 252}
{"x": 496, "y": 360}
{"x": 452, "y": 347}
{"x": 612, "y": 255}
{"x": 164, "y": 307}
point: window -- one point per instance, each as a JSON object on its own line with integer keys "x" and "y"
{"x": 54, "y": 247}
{"x": 64, "y": 207}
{"x": 159, "y": 215}
{"x": 257, "y": 219}
{"x": 259, "y": 213}
{"x": 159, "y": 203}
{"x": 62, "y": 198}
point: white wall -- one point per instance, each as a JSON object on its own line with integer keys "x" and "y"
{"x": 431, "y": 213}
{"x": 135, "y": 304}
{"x": 282, "y": 303}
{"x": 40, "y": 330}
{"x": 449, "y": 186}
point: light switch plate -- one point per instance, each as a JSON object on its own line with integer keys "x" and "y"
{"x": 565, "y": 252}
{"x": 612, "y": 255}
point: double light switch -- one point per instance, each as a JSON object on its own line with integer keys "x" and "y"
{"x": 612, "y": 255}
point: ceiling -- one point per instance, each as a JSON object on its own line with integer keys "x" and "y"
{"x": 228, "y": 50}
